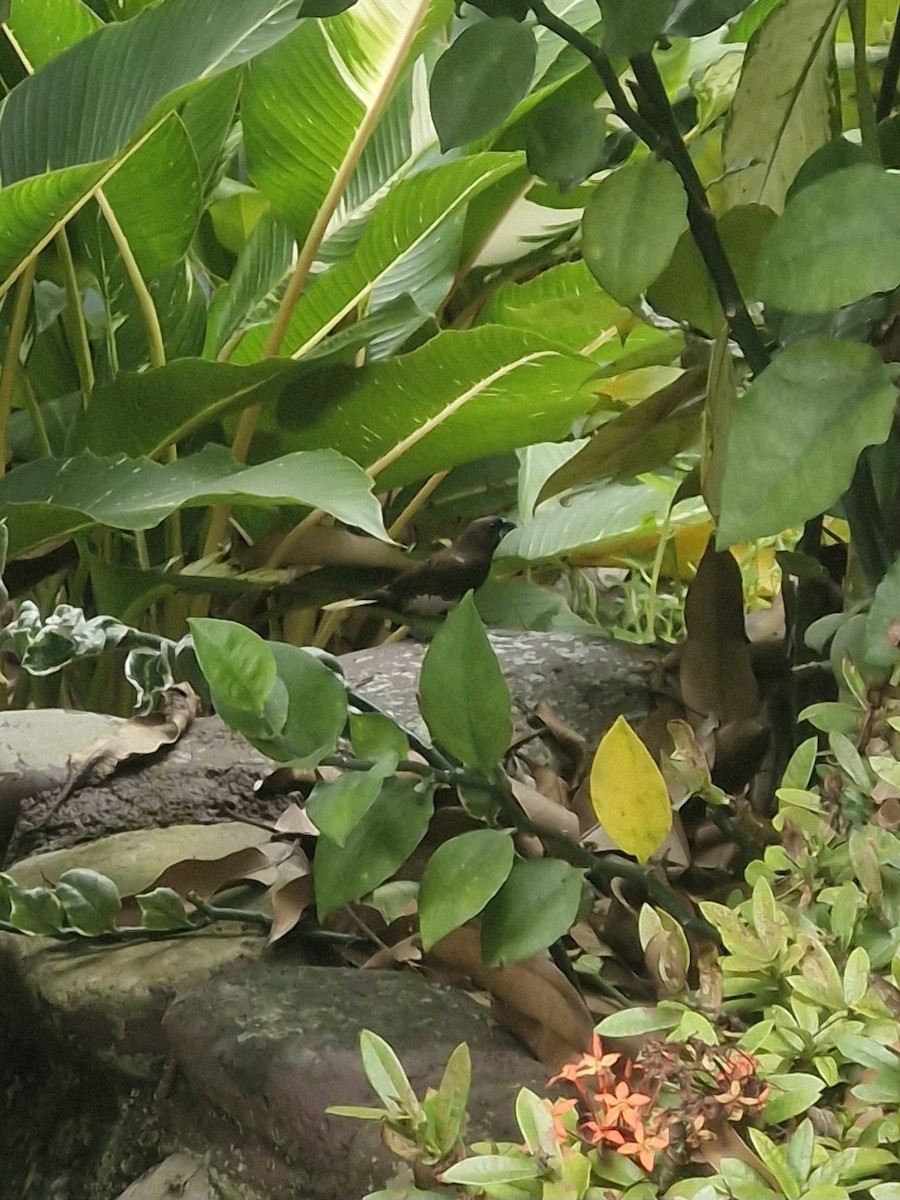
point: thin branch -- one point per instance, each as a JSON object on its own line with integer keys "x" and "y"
{"x": 73, "y": 317}
{"x": 865, "y": 105}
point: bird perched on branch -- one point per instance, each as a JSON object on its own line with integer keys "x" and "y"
{"x": 447, "y": 574}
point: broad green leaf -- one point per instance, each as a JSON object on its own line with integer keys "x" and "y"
{"x": 629, "y": 794}
{"x": 835, "y": 155}
{"x": 298, "y": 152}
{"x": 261, "y": 264}
{"x": 685, "y": 289}
{"x": 408, "y": 215}
{"x": 836, "y": 242}
{"x": 791, "y": 1095}
{"x": 375, "y": 847}
{"x": 50, "y": 497}
{"x": 632, "y": 225}
{"x": 536, "y": 1123}
{"x": 463, "y": 395}
{"x": 45, "y": 28}
{"x": 144, "y": 412}
{"x": 101, "y": 121}
{"x": 630, "y": 28}
{"x": 335, "y": 806}
{"x": 485, "y": 1170}
{"x": 91, "y": 901}
{"x": 537, "y": 904}
{"x": 881, "y": 622}
{"x": 377, "y": 737}
{"x": 565, "y": 142}
{"x": 601, "y": 524}
{"x": 693, "y": 18}
{"x": 208, "y": 116}
{"x": 462, "y": 693}
{"x": 316, "y": 708}
{"x": 782, "y": 110}
{"x": 240, "y": 670}
{"x": 480, "y": 78}
{"x": 620, "y": 447}
{"x": 461, "y": 877}
{"x": 385, "y": 1073}
{"x": 797, "y": 433}
{"x": 156, "y": 198}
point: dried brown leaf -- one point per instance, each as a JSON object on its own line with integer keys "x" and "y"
{"x": 543, "y": 811}
{"x": 295, "y": 820}
{"x": 289, "y": 904}
{"x": 407, "y": 950}
{"x": 532, "y": 998}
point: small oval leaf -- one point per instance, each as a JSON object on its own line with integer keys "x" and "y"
{"x": 537, "y": 904}
{"x": 629, "y": 794}
{"x": 461, "y": 877}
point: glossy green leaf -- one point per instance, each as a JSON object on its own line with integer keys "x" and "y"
{"x": 375, "y": 847}
{"x": 410, "y": 213}
{"x": 335, "y": 806}
{"x": 537, "y": 904}
{"x": 316, "y": 710}
{"x": 632, "y": 225}
{"x": 782, "y": 110}
{"x": 480, "y": 78}
{"x": 462, "y": 693}
{"x": 797, "y": 433}
{"x": 630, "y": 28}
{"x": 49, "y": 497}
{"x": 462, "y": 875}
{"x": 240, "y": 670}
{"x": 463, "y": 395}
{"x": 376, "y": 737}
{"x": 837, "y": 241}
{"x": 91, "y": 901}
{"x": 44, "y": 30}
{"x": 693, "y": 18}
{"x": 485, "y": 1170}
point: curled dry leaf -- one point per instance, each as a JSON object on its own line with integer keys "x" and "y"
{"x": 533, "y": 999}
{"x": 407, "y": 950}
{"x": 295, "y": 820}
{"x": 289, "y": 904}
{"x": 567, "y": 737}
{"x": 543, "y": 811}
{"x": 206, "y": 876}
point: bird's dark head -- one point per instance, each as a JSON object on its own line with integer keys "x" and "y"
{"x": 484, "y": 535}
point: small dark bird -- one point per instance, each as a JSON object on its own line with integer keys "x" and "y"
{"x": 446, "y": 574}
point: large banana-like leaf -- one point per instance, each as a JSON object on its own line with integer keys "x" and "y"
{"x": 67, "y": 127}
{"x": 782, "y": 109}
{"x": 52, "y": 497}
{"x": 463, "y": 395}
{"x": 412, "y": 211}
{"x": 43, "y": 29}
{"x": 302, "y": 154}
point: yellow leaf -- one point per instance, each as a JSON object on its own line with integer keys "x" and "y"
{"x": 629, "y": 794}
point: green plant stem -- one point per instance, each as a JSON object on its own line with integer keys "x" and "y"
{"x": 600, "y": 871}
{"x": 37, "y": 419}
{"x": 891, "y": 73}
{"x": 865, "y": 104}
{"x": 11, "y": 357}
{"x": 79, "y": 342}
{"x": 700, "y": 216}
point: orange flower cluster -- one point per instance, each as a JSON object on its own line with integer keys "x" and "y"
{"x": 669, "y": 1098}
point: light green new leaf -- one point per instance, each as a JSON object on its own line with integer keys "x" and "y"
{"x": 335, "y": 806}
{"x": 480, "y": 78}
{"x": 537, "y": 904}
{"x": 791, "y": 1095}
{"x": 462, "y": 693}
{"x": 796, "y": 434}
{"x": 50, "y": 497}
{"x": 240, "y": 669}
{"x": 316, "y": 710}
{"x": 631, "y": 226}
{"x": 837, "y": 241}
{"x": 782, "y": 110}
{"x": 463, "y": 395}
{"x": 461, "y": 877}
{"x": 375, "y": 847}
{"x": 408, "y": 215}
{"x": 298, "y": 151}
